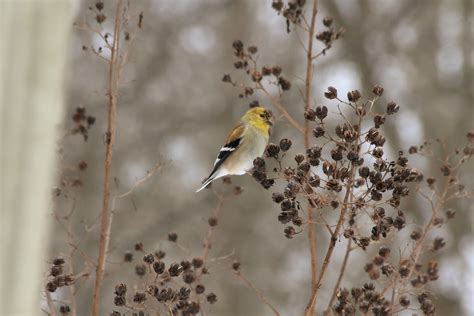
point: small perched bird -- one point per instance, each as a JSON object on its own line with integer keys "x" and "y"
{"x": 246, "y": 142}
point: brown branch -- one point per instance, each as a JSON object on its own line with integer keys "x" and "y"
{"x": 344, "y": 263}
{"x": 262, "y": 298}
{"x": 276, "y": 103}
{"x": 416, "y": 252}
{"x": 52, "y": 311}
{"x": 137, "y": 183}
{"x": 105, "y": 220}
{"x": 210, "y": 230}
{"x": 332, "y": 243}
{"x": 394, "y": 291}
{"x": 70, "y": 241}
{"x": 307, "y": 104}
{"x": 435, "y": 208}
{"x": 341, "y": 275}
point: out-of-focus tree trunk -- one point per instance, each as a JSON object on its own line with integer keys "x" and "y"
{"x": 32, "y": 58}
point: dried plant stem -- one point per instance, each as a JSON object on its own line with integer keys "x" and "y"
{"x": 341, "y": 275}
{"x": 416, "y": 252}
{"x": 52, "y": 311}
{"x": 332, "y": 244}
{"x": 257, "y": 291}
{"x": 313, "y": 248}
{"x": 394, "y": 291}
{"x": 343, "y": 267}
{"x": 210, "y": 230}
{"x": 71, "y": 266}
{"x": 105, "y": 222}
{"x": 276, "y": 103}
{"x": 137, "y": 183}
{"x": 307, "y": 104}
{"x": 207, "y": 243}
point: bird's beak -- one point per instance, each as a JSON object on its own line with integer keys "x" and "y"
{"x": 269, "y": 118}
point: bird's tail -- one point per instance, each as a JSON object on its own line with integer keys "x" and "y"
{"x": 211, "y": 178}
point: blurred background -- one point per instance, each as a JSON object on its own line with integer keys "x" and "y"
{"x": 175, "y": 110}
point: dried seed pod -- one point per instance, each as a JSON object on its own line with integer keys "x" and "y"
{"x": 140, "y": 269}
{"x": 175, "y": 269}
{"x": 321, "y": 112}
{"x": 285, "y": 144}
{"x": 314, "y": 152}
{"x": 331, "y": 93}
{"x": 252, "y": 49}
{"x": 377, "y": 90}
{"x": 211, "y": 298}
{"x": 120, "y": 301}
{"x": 236, "y": 266}
{"x": 139, "y": 297}
{"x": 392, "y": 108}
{"x": 310, "y": 115}
{"x": 149, "y": 258}
{"x": 353, "y": 96}
{"x": 299, "y": 158}
{"x": 173, "y": 237}
{"x": 198, "y": 262}
{"x": 277, "y": 197}
{"x": 237, "y": 45}
{"x": 188, "y": 277}
{"x": 289, "y": 232}
{"x": 199, "y": 289}
{"x": 212, "y": 221}
{"x": 284, "y": 83}
{"x": 438, "y": 243}
{"x": 226, "y": 78}
{"x": 318, "y": 131}
{"x": 272, "y": 150}
{"x": 314, "y": 181}
{"x": 159, "y": 267}
{"x": 379, "y": 120}
{"x": 327, "y": 21}
{"x": 404, "y": 301}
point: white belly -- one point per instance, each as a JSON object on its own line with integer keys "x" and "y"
{"x": 247, "y": 154}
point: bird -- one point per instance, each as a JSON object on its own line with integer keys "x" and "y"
{"x": 245, "y": 142}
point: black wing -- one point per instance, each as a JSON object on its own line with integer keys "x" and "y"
{"x": 225, "y": 152}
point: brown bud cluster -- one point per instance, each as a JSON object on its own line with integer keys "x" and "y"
{"x": 366, "y": 299}
{"x": 246, "y": 61}
{"x": 291, "y": 11}
{"x": 329, "y": 35}
{"x": 83, "y": 122}
{"x": 57, "y": 278}
{"x": 174, "y": 296}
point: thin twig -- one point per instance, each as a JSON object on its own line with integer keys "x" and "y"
{"x": 332, "y": 244}
{"x": 137, "y": 183}
{"x": 341, "y": 274}
{"x": 105, "y": 220}
{"x": 224, "y": 257}
{"x": 52, "y": 311}
{"x": 343, "y": 266}
{"x": 257, "y": 291}
{"x": 307, "y": 104}
{"x": 276, "y": 103}
{"x": 394, "y": 291}
{"x": 416, "y": 252}
{"x": 210, "y": 229}
{"x": 71, "y": 260}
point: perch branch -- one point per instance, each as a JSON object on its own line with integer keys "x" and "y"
{"x": 113, "y": 82}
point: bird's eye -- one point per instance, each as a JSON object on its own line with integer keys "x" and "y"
{"x": 262, "y": 116}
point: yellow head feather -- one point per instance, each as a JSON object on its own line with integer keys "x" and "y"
{"x": 258, "y": 117}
